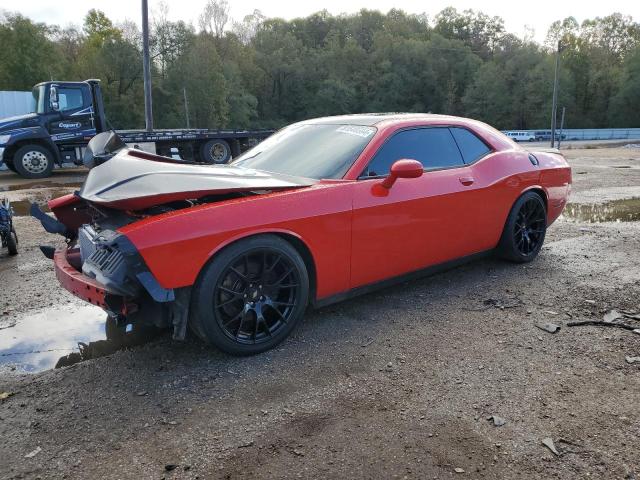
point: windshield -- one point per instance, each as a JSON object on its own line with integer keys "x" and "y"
{"x": 309, "y": 150}
{"x": 38, "y": 96}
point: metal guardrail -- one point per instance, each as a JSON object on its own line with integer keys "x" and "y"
{"x": 590, "y": 133}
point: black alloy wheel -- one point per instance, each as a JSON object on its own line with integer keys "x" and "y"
{"x": 256, "y": 296}
{"x": 525, "y": 229}
{"x": 251, "y": 296}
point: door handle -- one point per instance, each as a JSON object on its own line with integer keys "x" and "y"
{"x": 466, "y": 180}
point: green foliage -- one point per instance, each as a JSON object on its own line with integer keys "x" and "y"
{"x": 269, "y": 72}
{"x": 27, "y": 55}
{"x": 626, "y": 102}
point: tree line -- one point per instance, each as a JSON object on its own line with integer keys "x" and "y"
{"x": 267, "y": 72}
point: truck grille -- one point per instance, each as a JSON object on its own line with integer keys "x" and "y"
{"x": 105, "y": 260}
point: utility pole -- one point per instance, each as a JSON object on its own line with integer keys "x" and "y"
{"x": 146, "y": 68}
{"x": 186, "y": 105}
{"x": 561, "y": 126}
{"x": 554, "y": 106}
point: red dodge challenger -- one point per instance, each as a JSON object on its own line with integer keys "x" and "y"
{"x": 323, "y": 210}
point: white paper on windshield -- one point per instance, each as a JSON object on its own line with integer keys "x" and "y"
{"x": 360, "y": 131}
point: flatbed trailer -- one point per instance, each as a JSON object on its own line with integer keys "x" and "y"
{"x": 69, "y": 114}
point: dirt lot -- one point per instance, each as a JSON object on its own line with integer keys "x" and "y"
{"x": 396, "y": 384}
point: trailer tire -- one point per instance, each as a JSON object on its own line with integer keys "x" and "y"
{"x": 33, "y": 161}
{"x": 215, "y": 151}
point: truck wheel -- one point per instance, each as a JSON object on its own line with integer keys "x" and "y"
{"x": 10, "y": 165}
{"x": 33, "y": 161}
{"x": 12, "y": 242}
{"x": 215, "y": 151}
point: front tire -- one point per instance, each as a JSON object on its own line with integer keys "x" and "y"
{"x": 33, "y": 161}
{"x": 251, "y": 296}
{"x": 525, "y": 229}
{"x": 12, "y": 242}
{"x": 10, "y": 166}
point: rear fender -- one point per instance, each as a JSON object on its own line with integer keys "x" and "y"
{"x": 555, "y": 181}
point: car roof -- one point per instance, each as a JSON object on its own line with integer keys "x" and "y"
{"x": 371, "y": 119}
{"x": 383, "y": 121}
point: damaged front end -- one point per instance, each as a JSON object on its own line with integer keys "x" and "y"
{"x": 101, "y": 266}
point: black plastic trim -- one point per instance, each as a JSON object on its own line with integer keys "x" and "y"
{"x": 423, "y": 272}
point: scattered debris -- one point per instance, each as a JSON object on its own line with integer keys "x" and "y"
{"x": 33, "y": 453}
{"x": 598, "y": 323}
{"x": 5, "y": 395}
{"x": 458, "y": 470}
{"x": 549, "y": 327}
{"x": 548, "y": 442}
{"x": 499, "y": 303}
{"x": 497, "y": 421}
{"x": 632, "y": 360}
{"x": 612, "y": 315}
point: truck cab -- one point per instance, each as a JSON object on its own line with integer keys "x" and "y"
{"x": 64, "y": 121}
{"x": 68, "y": 114}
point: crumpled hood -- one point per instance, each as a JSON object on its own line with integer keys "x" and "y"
{"x": 135, "y": 180}
{"x": 19, "y": 121}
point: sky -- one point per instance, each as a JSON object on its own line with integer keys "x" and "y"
{"x": 518, "y": 15}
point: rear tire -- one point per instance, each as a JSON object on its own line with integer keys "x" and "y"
{"x": 33, "y": 161}
{"x": 216, "y": 152}
{"x": 525, "y": 229}
{"x": 251, "y": 296}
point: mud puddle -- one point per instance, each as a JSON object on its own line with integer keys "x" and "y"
{"x": 40, "y": 184}
{"x": 22, "y": 204}
{"x": 626, "y": 210}
{"x": 61, "y": 336}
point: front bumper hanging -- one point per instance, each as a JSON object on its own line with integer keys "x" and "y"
{"x": 76, "y": 282}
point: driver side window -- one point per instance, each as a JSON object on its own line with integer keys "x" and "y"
{"x": 434, "y": 147}
{"x": 69, "y": 99}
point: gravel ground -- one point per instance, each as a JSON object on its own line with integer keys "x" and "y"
{"x": 400, "y": 383}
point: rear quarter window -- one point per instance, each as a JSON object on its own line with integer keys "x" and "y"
{"x": 471, "y": 147}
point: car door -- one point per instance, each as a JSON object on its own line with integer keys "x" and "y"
{"x": 74, "y": 119}
{"x": 417, "y": 222}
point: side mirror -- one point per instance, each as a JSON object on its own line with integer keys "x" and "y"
{"x": 101, "y": 148}
{"x": 403, "y": 169}
{"x": 53, "y": 99}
